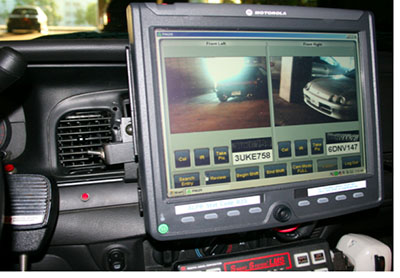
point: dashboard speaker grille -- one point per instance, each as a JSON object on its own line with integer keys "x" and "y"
{"x": 80, "y": 132}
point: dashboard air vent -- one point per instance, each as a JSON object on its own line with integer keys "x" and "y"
{"x": 80, "y": 132}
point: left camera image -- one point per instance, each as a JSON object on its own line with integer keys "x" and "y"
{"x": 217, "y": 93}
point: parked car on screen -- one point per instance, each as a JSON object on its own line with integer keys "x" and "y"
{"x": 250, "y": 83}
{"x": 333, "y": 96}
{"x": 27, "y": 18}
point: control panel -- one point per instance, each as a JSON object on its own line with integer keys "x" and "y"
{"x": 308, "y": 256}
{"x": 275, "y": 208}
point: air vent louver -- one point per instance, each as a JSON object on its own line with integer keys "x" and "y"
{"x": 80, "y": 132}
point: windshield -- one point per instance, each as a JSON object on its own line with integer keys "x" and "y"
{"x": 30, "y": 19}
{"x": 24, "y": 11}
{"x": 76, "y": 19}
{"x": 94, "y": 18}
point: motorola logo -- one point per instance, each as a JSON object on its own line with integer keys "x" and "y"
{"x": 278, "y": 13}
{"x": 249, "y": 12}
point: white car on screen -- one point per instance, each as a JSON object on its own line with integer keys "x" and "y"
{"x": 333, "y": 96}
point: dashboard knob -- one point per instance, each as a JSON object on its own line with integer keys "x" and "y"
{"x": 282, "y": 213}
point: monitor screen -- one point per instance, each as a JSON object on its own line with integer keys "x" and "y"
{"x": 252, "y": 117}
{"x": 250, "y": 109}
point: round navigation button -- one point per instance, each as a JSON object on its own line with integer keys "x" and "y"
{"x": 282, "y": 213}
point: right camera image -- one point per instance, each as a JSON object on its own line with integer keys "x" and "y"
{"x": 311, "y": 90}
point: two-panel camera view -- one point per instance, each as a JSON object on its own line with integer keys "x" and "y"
{"x": 224, "y": 93}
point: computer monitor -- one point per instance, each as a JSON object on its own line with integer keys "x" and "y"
{"x": 252, "y": 117}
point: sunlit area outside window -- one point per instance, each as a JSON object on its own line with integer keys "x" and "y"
{"x": 30, "y": 19}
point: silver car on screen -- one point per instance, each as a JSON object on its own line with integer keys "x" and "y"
{"x": 333, "y": 96}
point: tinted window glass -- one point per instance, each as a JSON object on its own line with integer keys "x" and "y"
{"x": 25, "y": 12}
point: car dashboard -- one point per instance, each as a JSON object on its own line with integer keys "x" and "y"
{"x": 72, "y": 99}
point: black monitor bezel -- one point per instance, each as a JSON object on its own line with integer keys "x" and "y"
{"x": 144, "y": 19}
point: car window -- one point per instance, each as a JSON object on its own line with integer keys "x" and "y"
{"x": 25, "y": 12}
{"x": 250, "y": 72}
{"x": 329, "y": 60}
{"x": 351, "y": 74}
{"x": 263, "y": 71}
